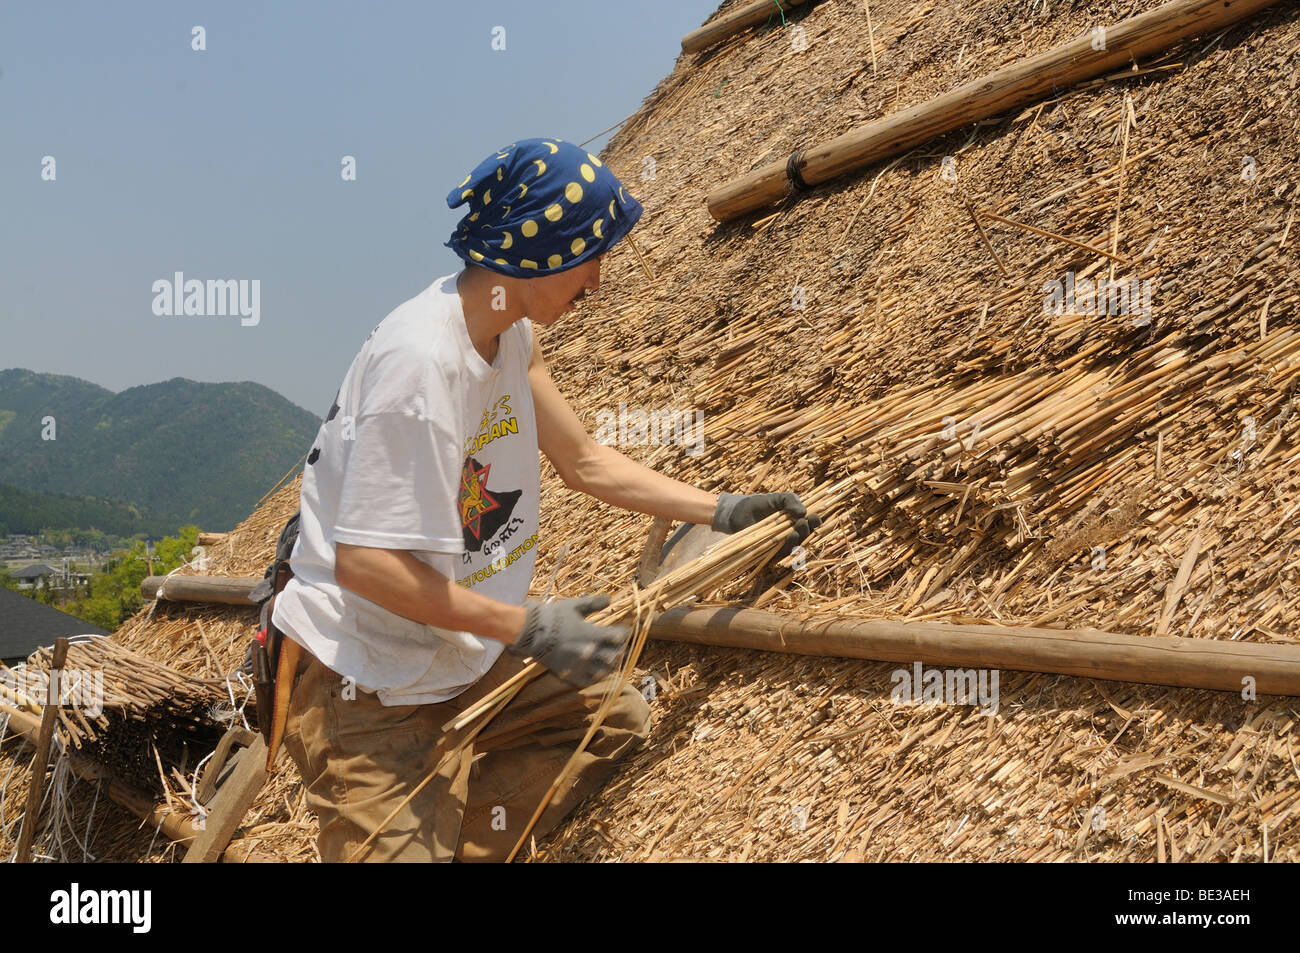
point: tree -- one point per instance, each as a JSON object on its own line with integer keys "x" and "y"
{"x": 115, "y": 590}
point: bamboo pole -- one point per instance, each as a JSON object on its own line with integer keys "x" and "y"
{"x": 1153, "y": 660}
{"x": 1011, "y": 87}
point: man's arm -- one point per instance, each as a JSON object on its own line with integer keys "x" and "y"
{"x": 601, "y": 471}
{"x": 405, "y": 586}
{"x": 556, "y": 635}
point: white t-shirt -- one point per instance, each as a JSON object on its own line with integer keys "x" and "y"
{"x": 427, "y": 448}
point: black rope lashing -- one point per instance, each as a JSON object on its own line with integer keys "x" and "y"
{"x": 793, "y": 173}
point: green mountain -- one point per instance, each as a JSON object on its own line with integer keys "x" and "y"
{"x": 179, "y": 451}
{"x": 22, "y": 511}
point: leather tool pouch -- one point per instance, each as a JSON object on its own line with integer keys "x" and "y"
{"x": 264, "y": 651}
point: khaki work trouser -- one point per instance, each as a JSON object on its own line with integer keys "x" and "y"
{"x": 359, "y": 759}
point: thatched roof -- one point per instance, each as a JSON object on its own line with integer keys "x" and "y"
{"x": 1148, "y": 440}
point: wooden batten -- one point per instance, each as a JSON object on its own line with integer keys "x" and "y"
{"x": 730, "y": 24}
{"x": 1187, "y": 663}
{"x": 994, "y": 93}
{"x": 223, "y": 590}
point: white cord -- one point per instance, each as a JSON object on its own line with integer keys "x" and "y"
{"x": 159, "y": 594}
{"x": 4, "y": 786}
{"x": 86, "y": 855}
{"x": 194, "y": 793}
{"x": 230, "y": 692}
{"x": 154, "y": 839}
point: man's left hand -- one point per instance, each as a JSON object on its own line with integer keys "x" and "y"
{"x": 736, "y": 511}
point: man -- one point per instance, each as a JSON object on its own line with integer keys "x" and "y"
{"x": 419, "y": 529}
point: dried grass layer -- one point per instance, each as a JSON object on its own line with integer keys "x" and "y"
{"x": 993, "y": 449}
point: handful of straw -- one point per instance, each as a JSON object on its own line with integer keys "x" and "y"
{"x": 742, "y": 553}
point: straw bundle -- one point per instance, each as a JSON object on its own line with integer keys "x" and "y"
{"x": 131, "y": 715}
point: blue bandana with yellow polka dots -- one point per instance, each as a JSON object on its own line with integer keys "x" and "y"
{"x": 539, "y": 206}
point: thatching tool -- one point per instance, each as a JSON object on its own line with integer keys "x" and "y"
{"x": 217, "y": 769}
{"x": 659, "y": 557}
{"x": 283, "y": 653}
{"x": 230, "y": 782}
{"x": 285, "y": 668}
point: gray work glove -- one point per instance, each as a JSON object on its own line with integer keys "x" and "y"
{"x": 736, "y": 511}
{"x": 557, "y": 635}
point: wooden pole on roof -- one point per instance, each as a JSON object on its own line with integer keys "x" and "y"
{"x": 1189, "y": 663}
{"x": 41, "y": 760}
{"x": 732, "y": 23}
{"x": 227, "y": 590}
{"x": 1100, "y": 51}
{"x": 1152, "y": 660}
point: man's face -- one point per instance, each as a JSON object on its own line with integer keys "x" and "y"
{"x": 551, "y": 297}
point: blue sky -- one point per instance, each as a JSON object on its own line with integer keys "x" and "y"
{"x": 225, "y": 163}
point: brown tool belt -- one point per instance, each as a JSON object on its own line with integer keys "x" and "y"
{"x": 266, "y": 658}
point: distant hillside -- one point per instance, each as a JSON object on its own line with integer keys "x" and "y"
{"x": 180, "y": 451}
{"x": 22, "y": 511}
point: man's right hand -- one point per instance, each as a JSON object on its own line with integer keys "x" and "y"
{"x": 558, "y": 635}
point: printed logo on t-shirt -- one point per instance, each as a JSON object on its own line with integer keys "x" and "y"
{"x": 493, "y": 522}
{"x": 497, "y": 421}
{"x": 483, "y": 511}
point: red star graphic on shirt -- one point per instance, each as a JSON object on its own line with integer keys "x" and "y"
{"x": 474, "y": 498}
